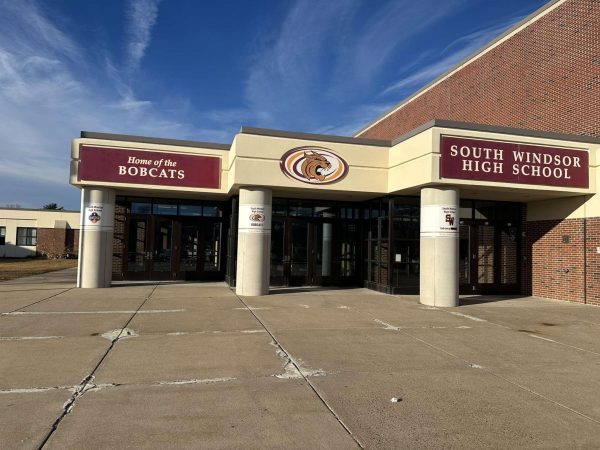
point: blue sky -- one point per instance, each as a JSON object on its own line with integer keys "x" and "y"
{"x": 200, "y": 69}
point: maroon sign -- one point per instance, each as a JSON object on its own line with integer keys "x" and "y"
{"x": 508, "y": 162}
{"x": 145, "y": 167}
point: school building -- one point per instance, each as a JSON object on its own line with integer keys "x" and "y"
{"x": 483, "y": 182}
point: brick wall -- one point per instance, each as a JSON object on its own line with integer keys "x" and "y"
{"x": 546, "y": 78}
{"x": 559, "y": 268}
{"x": 57, "y": 242}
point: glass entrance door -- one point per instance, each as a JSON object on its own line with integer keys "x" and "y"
{"x": 151, "y": 248}
{"x": 302, "y": 253}
{"x": 136, "y": 257}
{"x": 163, "y": 253}
{"x": 166, "y": 248}
{"x": 201, "y": 244}
{"x": 488, "y": 258}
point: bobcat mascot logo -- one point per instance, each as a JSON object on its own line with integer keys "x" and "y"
{"x": 313, "y": 165}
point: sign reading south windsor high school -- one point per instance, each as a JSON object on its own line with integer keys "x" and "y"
{"x": 146, "y": 167}
{"x": 510, "y": 162}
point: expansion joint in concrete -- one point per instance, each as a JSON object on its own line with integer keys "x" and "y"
{"x": 38, "y": 301}
{"x": 297, "y": 368}
{"x": 87, "y": 383}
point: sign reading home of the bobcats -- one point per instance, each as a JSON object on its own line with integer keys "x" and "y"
{"x": 146, "y": 167}
{"x": 313, "y": 165}
{"x": 510, "y": 162}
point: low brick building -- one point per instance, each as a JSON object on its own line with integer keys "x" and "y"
{"x": 31, "y": 232}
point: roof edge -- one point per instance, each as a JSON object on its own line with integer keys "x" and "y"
{"x": 41, "y": 209}
{"x": 442, "y": 123}
{"x": 315, "y": 137}
{"x": 153, "y": 140}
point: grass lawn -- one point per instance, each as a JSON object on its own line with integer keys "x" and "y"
{"x": 11, "y": 268}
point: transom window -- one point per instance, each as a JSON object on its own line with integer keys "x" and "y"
{"x": 27, "y": 236}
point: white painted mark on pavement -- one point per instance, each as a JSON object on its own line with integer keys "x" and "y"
{"x": 36, "y": 390}
{"x": 466, "y": 316}
{"x": 27, "y": 338}
{"x": 194, "y": 381}
{"x": 38, "y": 313}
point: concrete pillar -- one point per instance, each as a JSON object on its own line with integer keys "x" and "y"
{"x": 254, "y": 242}
{"x": 96, "y": 237}
{"x": 439, "y": 246}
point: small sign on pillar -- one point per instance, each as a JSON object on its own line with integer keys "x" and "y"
{"x": 439, "y": 221}
{"x": 255, "y": 219}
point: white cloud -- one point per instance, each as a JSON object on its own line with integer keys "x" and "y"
{"x": 327, "y": 56}
{"x": 46, "y": 100}
{"x": 141, "y": 16}
{"x": 455, "y": 52}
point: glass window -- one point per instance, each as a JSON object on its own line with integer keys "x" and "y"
{"x": 300, "y": 208}
{"x": 509, "y": 212}
{"x": 324, "y": 210}
{"x": 165, "y": 209}
{"x": 2, "y": 235}
{"x": 374, "y": 209}
{"x": 385, "y": 207}
{"x": 466, "y": 209}
{"x": 27, "y": 236}
{"x": 190, "y": 210}
{"x": 485, "y": 210}
{"x": 212, "y": 211}
{"x": 279, "y": 207}
{"x": 385, "y": 223}
{"x": 141, "y": 206}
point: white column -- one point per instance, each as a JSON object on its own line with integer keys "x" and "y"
{"x": 96, "y": 237}
{"x": 439, "y": 246}
{"x": 254, "y": 242}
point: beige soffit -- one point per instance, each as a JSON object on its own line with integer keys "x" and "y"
{"x": 503, "y": 37}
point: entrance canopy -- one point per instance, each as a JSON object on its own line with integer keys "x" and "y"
{"x": 483, "y": 162}
{"x": 169, "y": 209}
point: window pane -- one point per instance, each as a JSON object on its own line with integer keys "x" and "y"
{"x": 211, "y": 211}
{"x": 165, "y": 209}
{"x": 141, "y": 207}
{"x": 484, "y": 210}
{"x": 190, "y": 210}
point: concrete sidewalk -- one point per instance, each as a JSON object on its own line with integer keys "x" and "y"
{"x": 195, "y": 366}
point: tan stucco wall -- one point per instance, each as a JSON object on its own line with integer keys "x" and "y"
{"x": 257, "y": 164}
{"x": 404, "y": 168}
